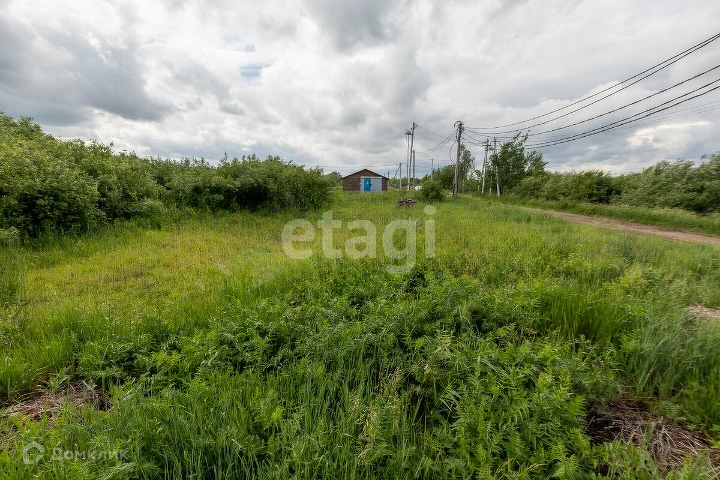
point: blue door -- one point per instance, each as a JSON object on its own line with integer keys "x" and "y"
{"x": 367, "y": 184}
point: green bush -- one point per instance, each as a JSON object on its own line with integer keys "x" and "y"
{"x": 675, "y": 185}
{"x": 590, "y": 186}
{"x": 40, "y": 194}
{"x": 49, "y": 185}
{"x": 683, "y": 185}
{"x": 432, "y": 191}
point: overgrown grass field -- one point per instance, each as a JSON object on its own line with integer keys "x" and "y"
{"x": 212, "y": 354}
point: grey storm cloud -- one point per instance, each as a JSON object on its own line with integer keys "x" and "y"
{"x": 200, "y": 78}
{"x": 11, "y": 57}
{"x": 350, "y": 23}
{"x": 64, "y": 68}
{"x": 114, "y": 83}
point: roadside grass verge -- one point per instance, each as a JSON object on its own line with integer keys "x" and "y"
{"x": 663, "y": 217}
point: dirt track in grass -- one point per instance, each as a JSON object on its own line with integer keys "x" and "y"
{"x": 632, "y": 227}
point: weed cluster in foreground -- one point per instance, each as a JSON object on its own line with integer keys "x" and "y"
{"x": 481, "y": 363}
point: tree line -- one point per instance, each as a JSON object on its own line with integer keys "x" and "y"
{"x": 48, "y": 185}
{"x": 681, "y": 184}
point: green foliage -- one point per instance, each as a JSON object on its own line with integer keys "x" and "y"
{"x": 445, "y": 176}
{"x": 273, "y": 184}
{"x": 675, "y": 185}
{"x": 39, "y": 193}
{"x": 248, "y": 183}
{"x": 334, "y": 178}
{"x": 674, "y": 360}
{"x": 11, "y": 270}
{"x": 682, "y": 185}
{"x": 52, "y": 186}
{"x": 513, "y": 163}
{"x": 431, "y": 191}
{"x": 590, "y": 186}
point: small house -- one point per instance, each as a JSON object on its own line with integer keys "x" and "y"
{"x": 365, "y": 181}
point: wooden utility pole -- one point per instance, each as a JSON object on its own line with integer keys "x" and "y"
{"x": 459, "y": 126}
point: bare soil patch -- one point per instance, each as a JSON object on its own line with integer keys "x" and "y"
{"x": 628, "y": 421}
{"x": 632, "y": 227}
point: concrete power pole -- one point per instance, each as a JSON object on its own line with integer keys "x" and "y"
{"x": 407, "y": 158}
{"x": 413, "y": 168}
{"x": 497, "y": 177}
{"x": 484, "y": 167}
{"x": 459, "y": 126}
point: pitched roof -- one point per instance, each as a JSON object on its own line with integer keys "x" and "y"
{"x": 369, "y": 173}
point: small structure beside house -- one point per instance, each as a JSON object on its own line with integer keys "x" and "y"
{"x": 365, "y": 181}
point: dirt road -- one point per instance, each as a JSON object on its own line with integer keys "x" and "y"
{"x": 632, "y": 227}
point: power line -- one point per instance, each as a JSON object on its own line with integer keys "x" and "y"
{"x": 688, "y": 112}
{"x": 624, "y": 106}
{"x": 470, "y": 135}
{"x": 627, "y": 120}
{"x": 650, "y": 71}
{"x": 441, "y": 144}
{"x": 430, "y": 131}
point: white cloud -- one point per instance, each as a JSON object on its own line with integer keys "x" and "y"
{"x": 337, "y": 83}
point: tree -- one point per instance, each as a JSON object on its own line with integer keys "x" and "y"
{"x": 512, "y": 163}
{"x": 335, "y": 178}
{"x": 467, "y": 161}
{"x": 446, "y": 175}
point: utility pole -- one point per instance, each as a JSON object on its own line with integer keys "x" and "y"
{"x": 432, "y": 168}
{"x": 497, "y": 177}
{"x": 407, "y": 157}
{"x": 459, "y": 126}
{"x": 484, "y": 167}
{"x": 413, "y": 167}
{"x": 400, "y": 177}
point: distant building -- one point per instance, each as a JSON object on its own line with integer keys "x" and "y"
{"x": 365, "y": 181}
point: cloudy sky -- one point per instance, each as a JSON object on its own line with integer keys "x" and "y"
{"x": 336, "y": 83}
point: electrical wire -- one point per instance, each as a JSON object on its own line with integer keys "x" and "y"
{"x": 626, "y": 105}
{"x": 650, "y": 71}
{"x": 626, "y": 120}
{"x": 441, "y": 144}
{"x": 429, "y": 131}
{"x": 675, "y": 115}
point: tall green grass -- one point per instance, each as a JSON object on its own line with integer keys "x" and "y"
{"x": 235, "y": 361}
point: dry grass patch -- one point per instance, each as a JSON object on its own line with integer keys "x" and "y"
{"x": 48, "y": 403}
{"x": 705, "y": 313}
{"x": 631, "y": 422}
